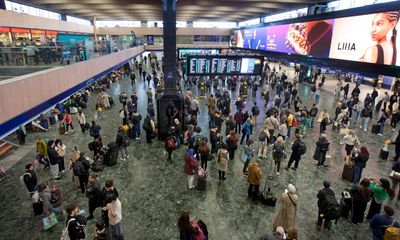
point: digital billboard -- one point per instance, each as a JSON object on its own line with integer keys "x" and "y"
{"x": 224, "y": 65}
{"x": 183, "y": 52}
{"x": 368, "y": 38}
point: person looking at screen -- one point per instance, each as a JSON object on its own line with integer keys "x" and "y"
{"x": 384, "y": 52}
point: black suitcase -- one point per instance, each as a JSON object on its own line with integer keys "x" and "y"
{"x": 383, "y": 154}
{"x": 97, "y": 164}
{"x": 82, "y": 105}
{"x": 111, "y": 156}
{"x": 267, "y": 198}
{"x": 376, "y": 128}
{"x": 37, "y": 208}
{"x": 348, "y": 172}
{"x": 201, "y": 183}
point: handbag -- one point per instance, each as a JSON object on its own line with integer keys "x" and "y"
{"x": 395, "y": 175}
{"x": 49, "y": 222}
{"x": 295, "y": 123}
{"x": 243, "y": 158}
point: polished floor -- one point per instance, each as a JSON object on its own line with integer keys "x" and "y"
{"x": 153, "y": 193}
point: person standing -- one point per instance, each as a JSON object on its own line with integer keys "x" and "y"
{"x": 53, "y": 159}
{"x": 360, "y": 162}
{"x": 68, "y": 121}
{"x": 204, "y": 152}
{"x": 298, "y": 148}
{"x": 190, "y": 167}
{"x": 43, "y": 155}
{"x": 94, "y": 194}
{"x": 247, "y": 155}
{"x": 255, "y": 111}
{"x": 189, "y": 230}
{"x": 396, "y": 179}
{"x": 136, "y": 118}
{"x": 263, "y": 142}
{"x": 247, "y": 130}
{"x": 366, "y": 114}
{"x": 222, "y": 159}
{"x": 323, "y": 204}
{"x": 148, "y": 127}
{"x": 30, "y": 179}
{"x": 286, "y": 216}
{"x": 381, "y": 190}
{"x": 108, "y": 191}
{"x": 238, "y": 117}
{"x": 75, "y": 223}
{"x": 350, "y": 140}
{"x": 60, "y": 148}
{"x": 254, "y": 180}
{"x": 321, "y": 150}
{"x": 231, "y": 141}
{"x": 115, "y": 218}
{"x": 361, "y": 194}
{"x": 81, "y": 169}
{"x": 380, "y": 222}
{"x": 122, "y": 141}
{"x": 170, "y": 144}
{"x": 278, "y": 153}
{"x": 82, "y": 120}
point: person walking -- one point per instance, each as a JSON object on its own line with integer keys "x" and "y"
{"x": 170, "y": 144}
{"x": 254, "y": 180}
{"x": 321, "y": 150}
{"x": 75, "y": 223}
{"x": 190, "y": 167}
{"x": 204, "y": 153}
{"x": 380, "y": 222}
{"x": 82, "y": 120}
{"x": 381, "y": 190}
{"x": 350, "y": 140}
{"x": 286, "y": 216}
{"x": 60, "y": 148}
{"x": 148, "y": 126}
{"x": 247, "y": 130}
{"x": 278, "y": 153}
{"x": 81, "y": 169}
{"x": 396, "y": 179}
{"x": 361, "y": 194}
{"x": 68, "y": 122}
{"x": 122, "y": 141}
{"x": 94, "y": 194}
{"x": 222, "y": 159}
{"x": 298, "y": 149}
{"x": 247, "y": 155}
{"x": 360, "y": 162}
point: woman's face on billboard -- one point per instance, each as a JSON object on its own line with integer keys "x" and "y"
{"x": 380, "y": 27}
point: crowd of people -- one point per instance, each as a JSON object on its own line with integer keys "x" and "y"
{"x": 262, "y": 135}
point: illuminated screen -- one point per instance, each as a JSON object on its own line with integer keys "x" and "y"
{"x": 365, "y": 38}
{"x": 182, "y": 53}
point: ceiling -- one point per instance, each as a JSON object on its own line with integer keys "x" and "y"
{"x": 187, "y": 10}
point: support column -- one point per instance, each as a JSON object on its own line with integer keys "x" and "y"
{"x": 63, "y": 16}
{"x": 170, "y": 101}
{"x": 95, "y": 33}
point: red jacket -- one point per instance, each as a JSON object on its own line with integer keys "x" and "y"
{"x": 190, "y": 165}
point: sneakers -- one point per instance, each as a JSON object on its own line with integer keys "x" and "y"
{"x": 380, "y": 134}
{"x": 57, "y": 179}
{"x": 127, "y": 156}
{"x": 277, "y": 173}
{"x": 365, "y": 129}
{"x": 122, "y": 159}
{"x": 393, "y": 129}
{"x": 294, "y": 169}
{"x": 138, "y": 138}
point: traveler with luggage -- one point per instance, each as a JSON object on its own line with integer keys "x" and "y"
{"x": 278, "y": 153}
{"x": 254, "y": 179}
{"x": 46, "y": 196}
{"x": 204, "y": 154}
{"x": 328, "y": 207}
{"x": 350, "y": 140}
{"x": 68, "y": 122}
{"x": 30, "y": 179}
{"x": 263, "y": 142}
{"x": 94, "y": 194}
{"x": 361, "y": 194}
{"x": 299, "y": 148}
{"x": 321, "y": 150}
{"x": 190, "y": 167}
{"x": 360, "y": 162}
{"x": 122, "y": 140}
{"x": 81, "y": 169}
{"x": 286, "y": 216}
{"x": 383, "y": 225}
{"x": 75, "y": 223}
{"x": 381, "y": 190}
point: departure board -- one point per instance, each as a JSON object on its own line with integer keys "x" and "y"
{"x": 224, "y": 65}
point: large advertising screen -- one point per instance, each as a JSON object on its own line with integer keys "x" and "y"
{"x": 183, "y": 52}
{"x": 224, "y": 65}
{"x": 365, "y": 38}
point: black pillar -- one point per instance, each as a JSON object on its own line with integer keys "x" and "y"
{"x": 3, "y": 5}
{"x": 63, "y": 17}
{"x": 170, "y": 101}
{"x": 169, "y": 32}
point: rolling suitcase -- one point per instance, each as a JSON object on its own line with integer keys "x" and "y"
{"x": 201, "y": 180}
{"x": 267, "y": 197}
{"x": 348, "y": 172}
{"x": 376, "y": 128}
{"x": 383, "y": 154}
{"x": 61, "y": 129}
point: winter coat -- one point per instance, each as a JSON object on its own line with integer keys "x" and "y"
{"x": 41, "y": 148}
{"x": 275, "y": 157}
{"x": 222, "y": 160}
{"x": 321, "y": 149}
{"x": 361, "y": 160}
{"x": 286, "y": 216}
{"x": 190, "y": 165}
{"x": 254, "y": 174}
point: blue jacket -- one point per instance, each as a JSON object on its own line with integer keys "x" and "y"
{"x": 248, "y": 128}
{"x": 379, "y": 223}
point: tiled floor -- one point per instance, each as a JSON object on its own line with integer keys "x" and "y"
{"x": 153, "y": 193}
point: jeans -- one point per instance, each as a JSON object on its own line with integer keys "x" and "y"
{"x": 83, "y": 127}
{"x": 317, "y": 99}
{"x": 61, "y": 164}
{"x": 366, "y": 120}
{"x": 122, "y": 149}
{"x": 289, "y": 131}
{"x": 382, "y": 125}
{"x": 54, "y": 171}
{"x": 116, "y": 232}
{"x": 357, "y": 174}
{"x": 243, "y": 136}
{"x": 137, "y": 130}
{"x": 231, "y": 154}
{"x": 356, "y": 117}
{"x": 294, "y": 158}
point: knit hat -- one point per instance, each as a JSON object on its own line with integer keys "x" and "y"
{"x": 280, "y": 232}
{"x": 291, "y": 189}
{"x": 323, "y": 135}
{"x": 327, "y": 184}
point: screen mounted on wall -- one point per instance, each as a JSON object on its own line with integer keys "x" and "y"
{"x": 368, "y": 38}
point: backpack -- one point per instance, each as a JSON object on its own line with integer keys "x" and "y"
{"x": 200, "y": 235}
{"x": 91, "y": 131}
{"x": 278, "y": 151}
{"x": 146, "y": 125}
{"x": 301, "y": 148}
{"x": 64, "y": 233}
{"x": 78, "y": 168}
{"x": 332, "y": 210}
{"x": 125, "y": 140}
{"x": 170, "y": 143}
{"x": 91, "y": 146}
{"x": 313, "y": 112}
{"x": 256, "y": 111}
{"x": 391, "y": 232}
{"x": 262, "y": 136}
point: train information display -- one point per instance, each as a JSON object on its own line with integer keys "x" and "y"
{"x": 370, "y": 38}
{"x": 224, "y": 65}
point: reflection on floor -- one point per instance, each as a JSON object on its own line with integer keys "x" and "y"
{"x": 153, "y": 193}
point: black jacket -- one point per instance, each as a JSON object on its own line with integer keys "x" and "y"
{"x": 75, "y": 230}
{"x": 86, "y": 165}
{"x": 53, "y": 156}
{"x": 361, "y": 161}
{"x": 30, "y": 180}
{"x": 93, "y": 190}
{"x": 322, "y": 195}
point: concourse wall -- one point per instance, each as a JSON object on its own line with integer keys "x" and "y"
{"x": 23, "y": 98}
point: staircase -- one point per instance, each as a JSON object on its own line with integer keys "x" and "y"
{"x": 5, "y": 148}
